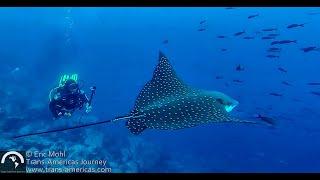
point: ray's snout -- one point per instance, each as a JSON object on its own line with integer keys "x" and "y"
{"x": 225, "y": 100}
{"x": 229, "y": 107}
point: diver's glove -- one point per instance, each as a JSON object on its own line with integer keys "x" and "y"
{"x": 88, "y": 108}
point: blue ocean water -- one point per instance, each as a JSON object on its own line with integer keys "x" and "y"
{"x": 117, "y": 49}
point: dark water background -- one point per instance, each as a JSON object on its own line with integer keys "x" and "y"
{"x": 116, "y": 49}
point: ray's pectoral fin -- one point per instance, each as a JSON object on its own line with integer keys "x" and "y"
{"x": 136, "y": 125}
{"x": 164, "y": 83}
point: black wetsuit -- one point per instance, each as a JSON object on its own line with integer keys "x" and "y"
{"x": 67, "y": 102}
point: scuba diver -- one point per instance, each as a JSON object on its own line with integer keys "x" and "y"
{"x": 68, "y": 97}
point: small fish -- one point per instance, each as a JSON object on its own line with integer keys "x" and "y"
{"x": 221, "y": 36}
{"x": 310, "y": 48}
{"x": 295, "y": 25}
{"x": 283, "y": 42}
{"x": 223, "y": 49}
{"x": 269, "y": 120}
{"x": 315, "y": 93}
{"x": 237, "y": 81}
{"x": 286, "y": 83}
{"x": 314, "y": 83}
{"x": 248, "y": 37}
{"x": 275, "y": 94}
{"x": 253, "y": 16}
{"x": 165, "y": 41}
{"x": 282, "y": 70}
{"x": 203, "y": 21}
{"x": 268, "y": 37}
{"x": 219, "y": 77}
{"x": 202, "y": 29}
{"x": 15, "y": 70}
{"x": 239, "y": 33}
{"x": 269, "y": 29}
{"x": 274, "y": 42}
{"x": 274, "y": 49}
{"x": 239, "y": 68}
{"x": 272, "y": 56}
{"x": 273, "y": 35}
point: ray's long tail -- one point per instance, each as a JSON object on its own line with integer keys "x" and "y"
{"x": 76, "y": 127}
{"x": 235, "y": 120}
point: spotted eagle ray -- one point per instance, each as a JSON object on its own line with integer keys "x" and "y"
{"x": 167, "y": 103}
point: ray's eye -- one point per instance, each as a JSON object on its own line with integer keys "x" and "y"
{"x": 220, "y": 101}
